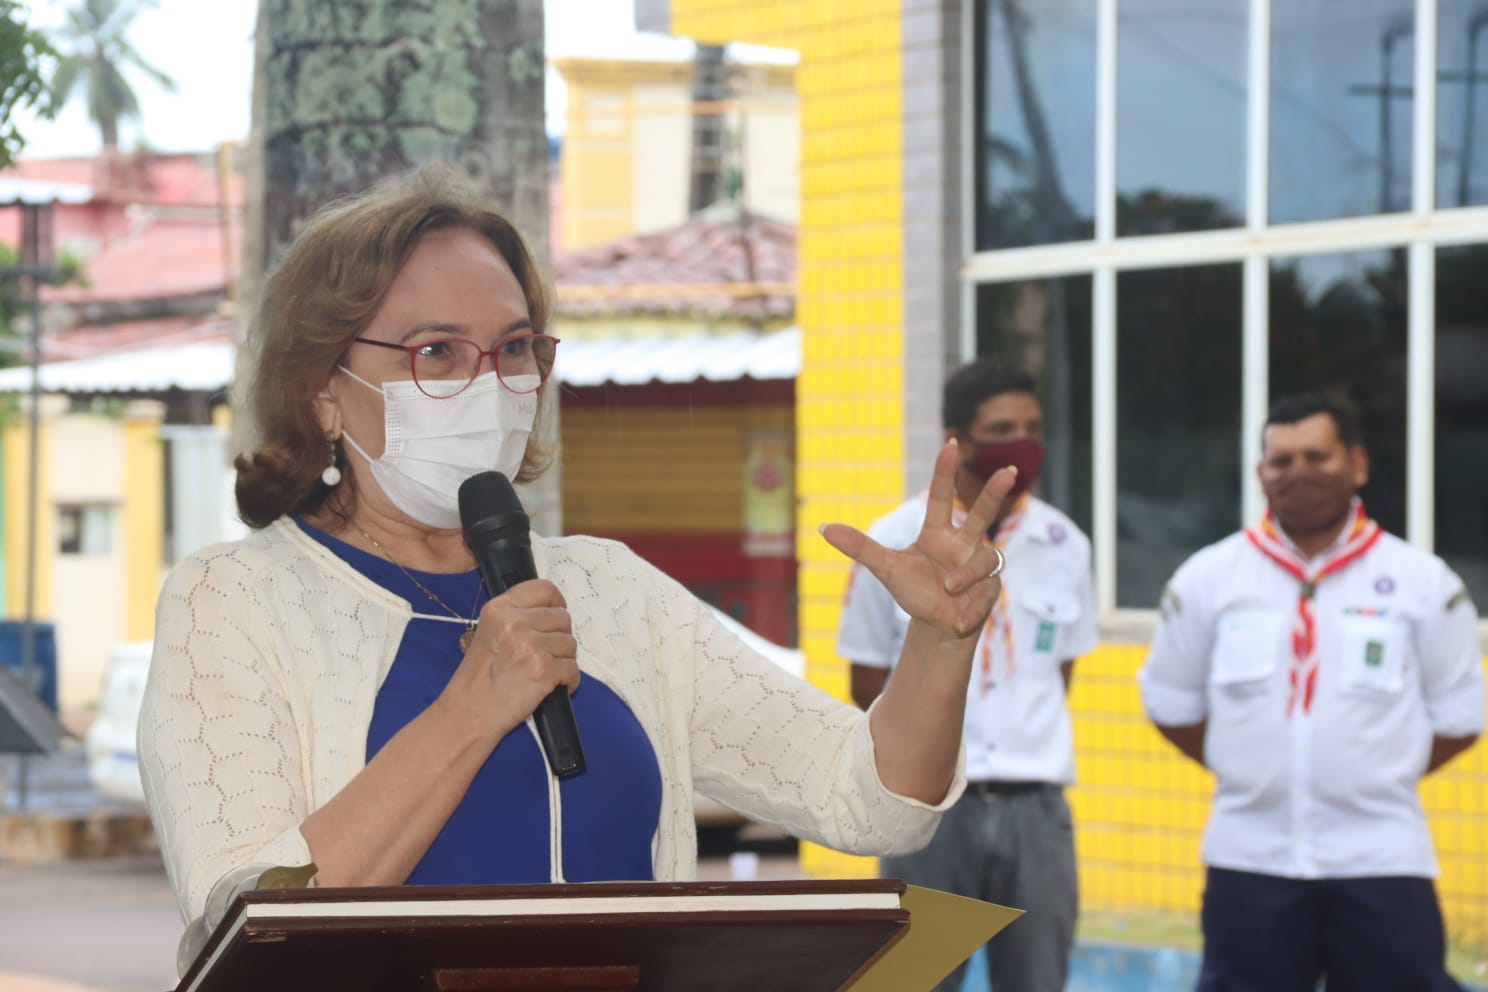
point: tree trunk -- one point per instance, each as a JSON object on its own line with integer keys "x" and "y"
{"x": 357, "y": 90}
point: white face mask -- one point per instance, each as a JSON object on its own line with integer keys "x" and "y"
{"x": 431, "y": 445}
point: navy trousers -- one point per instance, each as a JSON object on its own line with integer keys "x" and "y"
{"x": 1264, "y": 933}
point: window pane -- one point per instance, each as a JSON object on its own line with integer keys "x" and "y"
{"x": 85, "y": 530}
{"x": 1035, "y": 141}
{"x": 1462, "y": 103}
{"x": 1341, "y": 114}
{"x": 98, "y": 530}
{"x": 1177, "y": 421}
{"x": 69, "y": 530}
{"x": 1043, "y": 328}
{"x": 1338, "y": 326}
{"x": 1462, "y": 414}
{"x": 1180, "y": 115}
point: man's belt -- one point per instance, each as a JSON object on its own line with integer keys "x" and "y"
{"x": 994, "y": 787}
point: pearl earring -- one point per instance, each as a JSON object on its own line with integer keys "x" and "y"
{"x": 332, "y": 475}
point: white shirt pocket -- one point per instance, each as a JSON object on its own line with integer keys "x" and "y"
{"x": 1372, "y": 654}
{"x": 1051, "y": 612}
{"x": 1248, "y": 645}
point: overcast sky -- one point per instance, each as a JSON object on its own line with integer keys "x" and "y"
{"x": 206, "y": 46}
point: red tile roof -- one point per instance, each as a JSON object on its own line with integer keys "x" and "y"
{"x": 178, "y": 180}
{"x": 168, "y": 259}
{"x": 715, "y": 266}
{"x": 85, "y": 342}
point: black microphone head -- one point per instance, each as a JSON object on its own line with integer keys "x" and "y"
{"x": 489, "y": 507}
{"x": 485, "y": 493}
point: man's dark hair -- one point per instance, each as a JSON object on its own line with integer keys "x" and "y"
{"x": 1299, "y": 406}
{"x": 974, "y": 384}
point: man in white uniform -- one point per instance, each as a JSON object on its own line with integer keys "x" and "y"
{"x": 1009, "y": 839}
{"x": 1319, "y": 667}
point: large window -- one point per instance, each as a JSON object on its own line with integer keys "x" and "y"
{"x": 1338, "y": 326}
{"x": 1341, "y": 113}
{"x": 1178, "y": 420}
{"x": 1189, "y": 209}
{"x": 1035, "y": 130}
{"x": 1180, "y": 114}
{"x": 1462, "y": 103}
{"x": 1462, "y": 414}
{"x": 1043, "y": 327}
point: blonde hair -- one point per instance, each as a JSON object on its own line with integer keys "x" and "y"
{"x": 323, "y": 293}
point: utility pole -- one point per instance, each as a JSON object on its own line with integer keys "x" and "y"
{"x": 709, "y": 87}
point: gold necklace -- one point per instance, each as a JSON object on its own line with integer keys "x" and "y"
{"x": 469, "y": 635}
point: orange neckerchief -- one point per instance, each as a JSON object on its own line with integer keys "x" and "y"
{"x": 1000, "y": 620}
{"x": 1362, "y": 534}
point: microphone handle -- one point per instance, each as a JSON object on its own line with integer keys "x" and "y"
{"x": 557, "y": 729}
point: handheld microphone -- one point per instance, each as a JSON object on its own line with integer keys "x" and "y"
{"x": 499, "y": 534}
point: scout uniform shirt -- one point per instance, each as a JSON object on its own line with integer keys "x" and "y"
{"x": 1317, "y": 754}
{"x": 1017, "y": 721}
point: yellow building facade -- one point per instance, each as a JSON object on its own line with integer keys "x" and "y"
{"x": 885, "y": 94}
{"x": 99, "y": 533}
{"x": 627, "y": 144}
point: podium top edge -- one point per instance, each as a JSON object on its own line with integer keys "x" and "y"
{"x": 571, "y": 890}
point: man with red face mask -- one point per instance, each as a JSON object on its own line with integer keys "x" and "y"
{"x": 1009, "y": 839}
{"x": 1319, "y": 667}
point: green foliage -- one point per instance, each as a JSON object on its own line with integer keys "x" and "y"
{"x": 10, "y": 305}
{"x": 22, "y": 84}
{"x": 95, "y": 52}
{"x": 69, "y": 271}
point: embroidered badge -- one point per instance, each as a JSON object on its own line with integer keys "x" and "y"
{"x": 1384, "y": 585}
{"x": 1045, "y": 640}
{"x": 1170, "y": 605}
{"x": 1374, "y": 653}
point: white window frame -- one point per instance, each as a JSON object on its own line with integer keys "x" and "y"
{"x": 1421, "y": 230}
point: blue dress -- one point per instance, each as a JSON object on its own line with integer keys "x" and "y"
{"x": 500, "y": 831}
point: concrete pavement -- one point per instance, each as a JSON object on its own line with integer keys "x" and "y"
{"x": 102, "y": 925}
{"x": 86, "y": 907}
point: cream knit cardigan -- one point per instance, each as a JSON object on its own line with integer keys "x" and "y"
{"x": 269, "y": 652}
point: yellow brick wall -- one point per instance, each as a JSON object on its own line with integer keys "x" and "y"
{"x": 1140, "y": 808}
{"x": 850, "y": 307}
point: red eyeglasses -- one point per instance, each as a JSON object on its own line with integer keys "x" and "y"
{"x": 446, "y": 367}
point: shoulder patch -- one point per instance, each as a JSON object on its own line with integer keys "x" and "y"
{"x": 1170, "y": 605}
{"x": 1457, "y": 599}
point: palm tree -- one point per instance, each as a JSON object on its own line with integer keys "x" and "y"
{"x": 96, "y": 50}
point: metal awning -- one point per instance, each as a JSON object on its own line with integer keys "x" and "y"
{"x": 627, "y": 361}
{"x": 40, "y": 192}
{"x": 204, "y": 365}
{"x": 633, "y": 361}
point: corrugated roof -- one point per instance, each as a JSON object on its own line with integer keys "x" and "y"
{"x": 713, "y": 357}
{"x": 208, "y": 365}
{"x": 205, "y": 366}
{"x": 15, "y": 190}
{"x": 93, "y": 340}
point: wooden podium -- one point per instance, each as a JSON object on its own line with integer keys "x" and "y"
{"x": 804, "y": 936}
